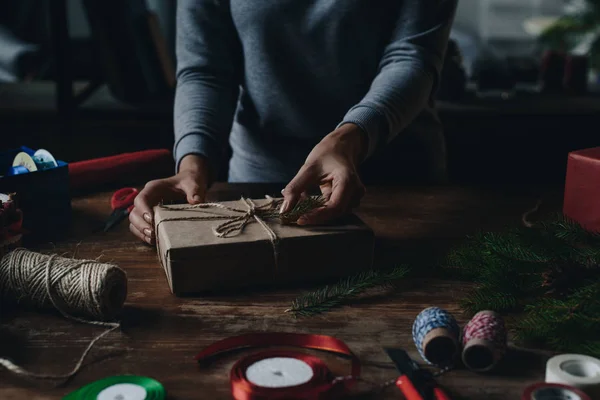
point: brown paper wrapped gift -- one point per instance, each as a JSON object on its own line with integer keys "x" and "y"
{"x": 231, "y": 245}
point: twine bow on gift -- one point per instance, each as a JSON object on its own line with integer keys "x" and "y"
{"x": 236, "y": 222}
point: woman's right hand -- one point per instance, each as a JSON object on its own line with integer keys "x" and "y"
{"x": 189, "y": 184}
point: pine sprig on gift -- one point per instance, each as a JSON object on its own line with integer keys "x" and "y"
{"x": 329, "y": 297}
{"x": 303, "y": 206}
{"x": 547, "y": 276}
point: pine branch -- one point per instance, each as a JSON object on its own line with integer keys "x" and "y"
{"x": 548, "y": 274}
{"x": 329, "y": 297}
{"x": 484, "y": 299}
{"x": 303, "y": 206}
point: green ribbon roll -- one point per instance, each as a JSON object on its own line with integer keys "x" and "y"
{"x": 126, "y": 387}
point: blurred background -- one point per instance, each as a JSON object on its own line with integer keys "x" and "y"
{"x": 91, "y": 78}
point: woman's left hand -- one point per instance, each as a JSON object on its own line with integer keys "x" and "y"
{"x": 332, "y": 165}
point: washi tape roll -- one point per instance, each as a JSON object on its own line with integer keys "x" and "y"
{"x": 553, "y": 391}
{"x": 484, "y": 341}
{"x": 126, "y": 387}
{"x": 436, "y": 336}
{"x": 576, "y": 370}
{"x": 23, "y": 159}
{"x": 44, "y": 160}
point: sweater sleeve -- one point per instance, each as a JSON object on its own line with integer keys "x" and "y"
{"x": 208, "y": 63}
{"x": 408, "y": 71}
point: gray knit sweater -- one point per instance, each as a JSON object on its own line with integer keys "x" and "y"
{"x": 275, "y": 76}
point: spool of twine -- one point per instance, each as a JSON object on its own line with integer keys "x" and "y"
{"x": 86, "y": 291}
{"x": 484, "y": 341}
{"x": 436, "y": 336}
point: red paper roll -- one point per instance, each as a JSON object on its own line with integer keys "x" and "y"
{"x": 115, "y": 169}
{"x": 553, "y": 391}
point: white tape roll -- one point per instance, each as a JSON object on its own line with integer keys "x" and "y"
{"x": 576, "y": 370}
{"x": 279, "y": 372}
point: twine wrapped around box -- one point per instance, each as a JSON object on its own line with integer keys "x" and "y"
{"x": 185, "y": 250}
{"x": 235, "y": 223}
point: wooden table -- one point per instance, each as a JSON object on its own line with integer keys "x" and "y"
{"x": 161, "y": 333}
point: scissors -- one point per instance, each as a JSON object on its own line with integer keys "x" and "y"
{"x": 414, "y": 382}
{"x": 121, "y": 203}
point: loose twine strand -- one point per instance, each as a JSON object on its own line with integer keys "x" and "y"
{"x": 234, "y": 224}
{"x": 76, "y": 288}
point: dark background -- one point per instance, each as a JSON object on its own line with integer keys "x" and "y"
{"x": 525, "y": 138}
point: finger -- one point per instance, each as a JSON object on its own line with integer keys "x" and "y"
{"x": 193, "y": 190}
{"x": 326, "y": 191}
{"x": 150, "y": 196}
{"x": 305, "y": 177}
{"x": 140, "y": 235}
{"x": 138, "y": 221}
{"x": 343, "y": 191}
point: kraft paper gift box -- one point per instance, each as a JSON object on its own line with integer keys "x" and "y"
{"x": 581, "y": 201}
{"x": 196, "y": 260}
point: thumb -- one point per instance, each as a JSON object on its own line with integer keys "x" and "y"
{"x": 305, "y": 177}
{"x": 194, "y": 192}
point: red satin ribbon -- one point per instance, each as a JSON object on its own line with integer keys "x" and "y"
{"x": 323, "y": 385}
{"x": 532, "y": 392}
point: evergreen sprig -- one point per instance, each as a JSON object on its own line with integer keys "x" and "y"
{"x": 331, "y": 296}
{"x": 303, "y": 206}
{"x": 547, "y": 276}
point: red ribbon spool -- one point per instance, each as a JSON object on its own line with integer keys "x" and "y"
{"x": 543, "y": 391}
{"x": 322, "y": 385}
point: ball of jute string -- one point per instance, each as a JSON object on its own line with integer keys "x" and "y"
{"x": 86, "y": 291}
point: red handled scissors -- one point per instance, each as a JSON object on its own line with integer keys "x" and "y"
{"x": 121, "y": 203}
{"x": 414, "y": 382}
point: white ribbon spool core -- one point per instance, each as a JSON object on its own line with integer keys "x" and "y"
{"x": 279, "y": 372}
{"x": 123, "y": 391}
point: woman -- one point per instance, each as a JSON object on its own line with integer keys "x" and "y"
{"x": 305, "y": 91}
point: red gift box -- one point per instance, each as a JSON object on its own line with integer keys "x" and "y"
{"x": 582, "y": 188}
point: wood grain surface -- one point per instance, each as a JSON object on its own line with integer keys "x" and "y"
{"x": 161, "y": 333}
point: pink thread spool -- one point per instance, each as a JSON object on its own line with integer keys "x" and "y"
{"x": 484, "y": 341}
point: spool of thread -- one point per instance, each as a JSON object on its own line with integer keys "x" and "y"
{"x": 83, "y": 288}
{"x": 576, "y": 370}
{"x": 484, "y": 341}
{"x": 553, "y": 391}
{"x": 85, "y": 291}
{"x": 436, "y": 336}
